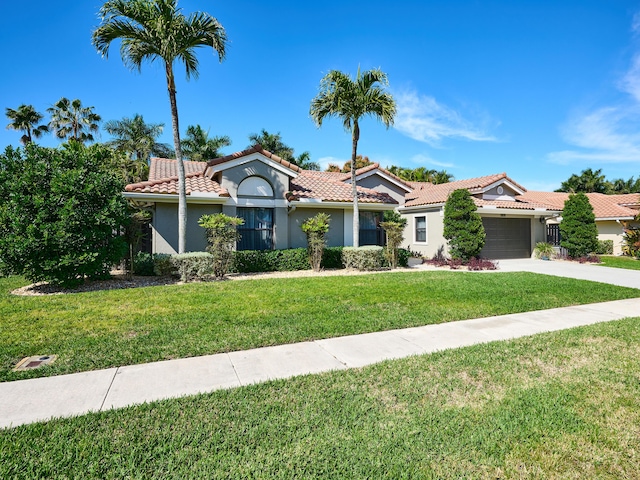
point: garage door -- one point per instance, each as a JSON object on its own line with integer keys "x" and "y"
{"x": 507, "y": 238}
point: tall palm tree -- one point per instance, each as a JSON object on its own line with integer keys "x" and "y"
{"x": 350, "y": 100}
{"x": 157, "y": 30}
{"x": 273, "y": 143}
{"x": 70, "y": 120}
{"x": 198, "y": 147}
{"x": 136, "y": 137}
{"x": 26, "y": 119}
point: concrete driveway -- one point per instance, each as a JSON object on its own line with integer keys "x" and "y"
{"x": 581, "y": 271}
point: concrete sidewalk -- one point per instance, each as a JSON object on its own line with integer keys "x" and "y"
{"x": 28, "y": 401}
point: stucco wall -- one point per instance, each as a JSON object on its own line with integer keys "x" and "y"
{"x": 611, "y": 230}
{"x": 232, "y": 177}
{"x": 165, "y": 227}
{"x": 376, "y": 182}
{"x": 298, "y": 239}
{"x": 435, "y": 239}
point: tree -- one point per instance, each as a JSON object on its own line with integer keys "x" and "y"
{"x": 316, "y": 229}
{"x": 350, "y": 100}
{"x": 157, "y": 30}
{"x": 361, "y": 162}
{"x": 60, "y": 213}
{"x": 578, "y": 228}
{"x": 588, "y": 181}
{"x": 463, "y": 227}
{"x": 222, "y": 236}
{"x": 441, "y": 176}
{"x": 393, "y": 224}
{"x": 26, "y": 119}
{"x": 70, "y": 120}
{"x": 273, "y": 143}
{"x": 136, "y": 137}
{"x": 198, "y": 147}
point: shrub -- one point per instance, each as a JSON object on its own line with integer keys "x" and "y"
{"x": 316, "y": 229}
{"x": 463, "y": 226}
{"x": 222, "y": 236}
{"x": 544, "y": 250}
{"x": 332, "y": 257}
{"x": 403, "y": 257}
{"x": 143, "y": 264}
{"x": 363, "y": 258}
{"x": 393, "y": 225}
{"x": 193, "y": 265}
{"x": 605, "y": 247}
{"x": 476, "y": 264}
{"x": 61, "y": 213}
{"x": 631, "y": 242}
{"x": 578, "y": 226}
{"x": 162, "y": 264}
{"x": 250, "y": 261}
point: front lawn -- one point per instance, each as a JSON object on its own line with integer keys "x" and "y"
{"x": 556, "y": 405}
{"x": 619, "y": 262}
{"x": 103, "y": 329}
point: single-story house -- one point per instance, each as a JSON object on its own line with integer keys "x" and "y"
{"x": 274, "y": 197}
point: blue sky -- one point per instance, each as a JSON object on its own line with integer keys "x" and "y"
{"x": 538, "y": 89}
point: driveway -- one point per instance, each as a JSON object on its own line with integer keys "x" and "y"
{"x": 581, "y": 271}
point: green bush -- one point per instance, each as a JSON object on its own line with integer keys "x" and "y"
{"x": 249, "y": 261}
{"x": 403, "y": 257}
{"x": 463, "y": 226}
{"x": 143, "y": 264}
{"x": 193, "y": 265}
{"x": 222, "y": 237}
{"x": 61, "y": 213}
{"x": 316, "y": 229}
{"x": 332, "y": 257}
{"x": 363, "y": 258}
{"x": 578, "y": 226}
{"x": 605, "y": 247}
{"x": 162, "y": 264}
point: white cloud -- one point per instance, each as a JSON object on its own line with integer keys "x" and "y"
{"x": 421, "y": 159}
{"x": 422, "y": 118}
{"x": 609, "y": 134}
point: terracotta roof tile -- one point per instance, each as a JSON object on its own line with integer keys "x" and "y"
{"x": 314, "y": 185}
{"x": 374, "y": 166}
{"x": 255, "y": 149}
{"x": 195, "y": 180}
{"x": 604, "y": 206}
{"x": 430, "y": 194}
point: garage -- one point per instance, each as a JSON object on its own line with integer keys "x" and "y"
{"x": 507, "y": 238}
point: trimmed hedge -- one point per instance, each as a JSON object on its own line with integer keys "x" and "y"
{"x": 363, "y": 258}
{"x": 249, "y": 261}
{"x": 605, "y": 247}
{"x": 193, "y": 265}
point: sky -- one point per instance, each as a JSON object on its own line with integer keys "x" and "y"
{"x": 537, "y": 89}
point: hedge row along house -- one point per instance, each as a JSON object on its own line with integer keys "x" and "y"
{"x": 274, "y": 197}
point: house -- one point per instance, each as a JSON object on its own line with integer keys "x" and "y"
{"x": 274, "y": 197}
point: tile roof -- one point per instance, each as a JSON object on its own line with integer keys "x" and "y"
{"x": 315, "y": 185}
{"x": 604, "y": 206}
{"x": 163, "y": 178}
{"x": 429, "y": 194}
{"x": 374, "y": 166}
{"x": 255, "y": 149}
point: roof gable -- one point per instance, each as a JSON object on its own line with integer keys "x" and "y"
{"x": 254, "y": 153}
{"x": 376, "y": 169}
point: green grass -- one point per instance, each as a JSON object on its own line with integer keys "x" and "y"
{"x": 103, "y": 329}
{"x": 629, "y": 263}
{"x": 557, "y": 405}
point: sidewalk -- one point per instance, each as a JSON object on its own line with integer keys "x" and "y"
{"x": 28, "y": 401}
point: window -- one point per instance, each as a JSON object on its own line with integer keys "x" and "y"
{"x": 371, "y": 233}
{"x": 421, "y": 229}
{"x": 257, "y": 230}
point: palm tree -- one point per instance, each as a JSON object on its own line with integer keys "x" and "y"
{"x": 70, "y": 120}
{"x": 304, "y": 161}
{"x": 198, "y": 147}
{"x": 273, "y": 143}
{"x": 350, "y": 100}
{"x": 441, "y": 176}
{"x": 26, "y": 119}
{"x": 157, "y": 30}
{"x": 136, "y": 137}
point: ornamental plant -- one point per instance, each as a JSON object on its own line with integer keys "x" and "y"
{"x": 61, "y": 213}
{"x": 578, "y": 226}
{"x": 316, "y": 229}
{"x": 463, "y": 227}
{"x": 393, "y": 225}
{"x": 222, "y": 236}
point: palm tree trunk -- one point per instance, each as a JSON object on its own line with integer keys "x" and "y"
{"x": 182, "y": 191}
{"x": 354, "y": 190}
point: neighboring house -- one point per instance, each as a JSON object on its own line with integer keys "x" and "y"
{"x": 274, "y": 197}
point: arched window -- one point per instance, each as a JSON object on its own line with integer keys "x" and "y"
{"x": 255, "y": 187}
